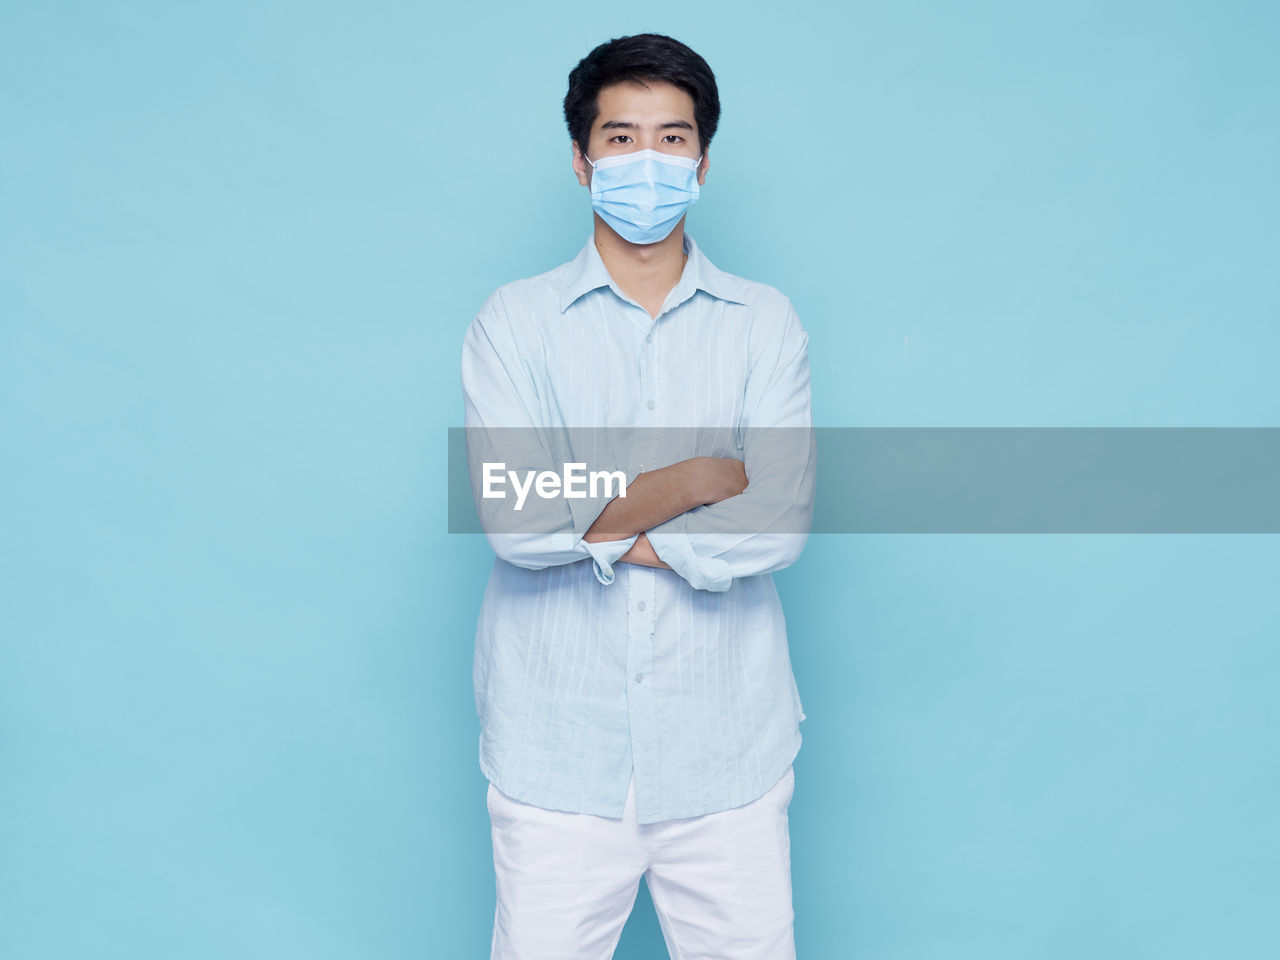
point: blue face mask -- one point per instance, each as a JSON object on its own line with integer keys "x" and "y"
{"x": 643, "y": 194}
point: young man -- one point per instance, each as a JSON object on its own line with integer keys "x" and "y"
{"x": 638, "y": 710}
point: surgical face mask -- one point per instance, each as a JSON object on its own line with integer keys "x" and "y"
{"x": 643, "y": 194}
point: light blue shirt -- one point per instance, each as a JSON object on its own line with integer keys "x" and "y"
{"x": 587, "y": 668}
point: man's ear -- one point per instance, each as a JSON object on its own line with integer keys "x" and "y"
{"x": 704, "y": 166}
{"x": 580, "y": 166}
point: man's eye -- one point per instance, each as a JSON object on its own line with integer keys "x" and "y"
{"x": 621, "y": 136}
{"x": 673, "y": 136}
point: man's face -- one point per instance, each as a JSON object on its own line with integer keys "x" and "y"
{"x": 635, "y": 117}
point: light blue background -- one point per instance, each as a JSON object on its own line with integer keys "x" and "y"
{"x": 239, "y": 246}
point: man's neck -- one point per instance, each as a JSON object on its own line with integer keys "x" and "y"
{"x": 645, "y": 272}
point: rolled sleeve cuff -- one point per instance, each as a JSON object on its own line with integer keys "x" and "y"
{"x": 675, "y": 549}
{"x": 605, "y": 553}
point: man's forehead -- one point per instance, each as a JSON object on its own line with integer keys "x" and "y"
{"x": 621, "y": 100}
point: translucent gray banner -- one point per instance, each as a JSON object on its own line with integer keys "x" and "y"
{"x": 896, "y": 479}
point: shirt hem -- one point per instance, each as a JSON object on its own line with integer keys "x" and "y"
{"x": 771, "y": 780}
{"x": 537, "y": 798}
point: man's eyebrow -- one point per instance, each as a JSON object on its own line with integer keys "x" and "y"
{"x": 626, "y": 125}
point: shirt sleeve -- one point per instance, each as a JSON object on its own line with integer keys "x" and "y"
{"x": 764, "y": 528}
{"x": 503, "y": 426}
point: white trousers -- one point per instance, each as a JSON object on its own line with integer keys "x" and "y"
{"x": 721, "y": 883}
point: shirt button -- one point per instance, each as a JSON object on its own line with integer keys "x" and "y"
{"x": 648, "y": 338}
{"x": 640, "y": 605}
{"x": 639, "y": 678}
{"x": 650, "y": 404}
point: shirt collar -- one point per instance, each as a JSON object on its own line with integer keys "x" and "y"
{"x": 587, "y": 272}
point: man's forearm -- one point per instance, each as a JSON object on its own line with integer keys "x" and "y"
{"x": 658, "y": 495}
{"x": 652, "y": 497}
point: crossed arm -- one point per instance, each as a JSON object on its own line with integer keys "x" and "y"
{"x": 697, "y": 516}
{"x": 658, "y": 495}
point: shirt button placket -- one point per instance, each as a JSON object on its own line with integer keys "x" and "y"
{"x": 640, "y": 620}
{"x": 646, "y": 364}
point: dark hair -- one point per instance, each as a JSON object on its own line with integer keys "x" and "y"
{"x": 643, "y": 57}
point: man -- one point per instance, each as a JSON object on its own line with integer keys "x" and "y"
{"x": 638, "y": 710}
